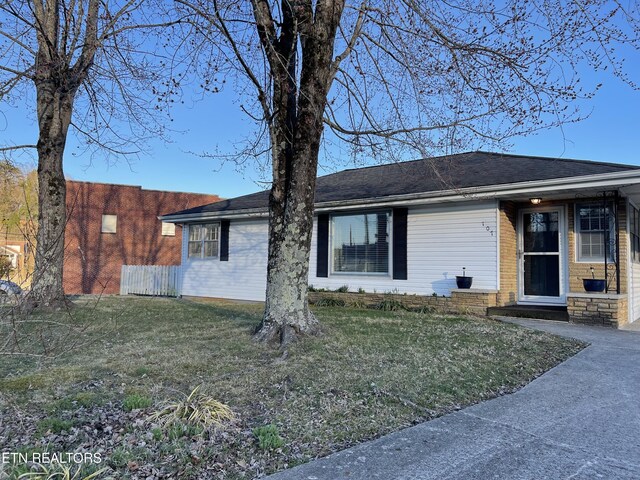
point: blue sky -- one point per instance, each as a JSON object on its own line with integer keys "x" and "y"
{"x": 611, "y": 134}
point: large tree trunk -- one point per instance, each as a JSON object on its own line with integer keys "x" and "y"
{"x": 54, "y": 117}
{"x": 57, "y": 82}
{"x": 287, "y": 315}
{"x": 295, "y": 136}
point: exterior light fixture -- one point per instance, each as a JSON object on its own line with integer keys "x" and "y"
{"x": 535, "y": 200}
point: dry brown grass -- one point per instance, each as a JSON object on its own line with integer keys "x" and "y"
{"x": 368, "y": 374}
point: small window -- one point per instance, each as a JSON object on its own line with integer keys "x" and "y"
{"x": 595, "y": 228}
{"x": 203, "y": 240}
{"x": 168, "y": 229}
{"x": 360, "y": 243}
{"x": 109, "y": 223}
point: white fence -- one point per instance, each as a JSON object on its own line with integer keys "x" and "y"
{"x": 150, "y": 280}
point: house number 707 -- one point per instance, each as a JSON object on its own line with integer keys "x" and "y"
{"x": 488, "y": 228}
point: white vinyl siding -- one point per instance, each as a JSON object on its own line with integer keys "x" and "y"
{"x": 441, "y": 240}
{"x": 243, "y": 277}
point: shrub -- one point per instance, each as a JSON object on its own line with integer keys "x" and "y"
{"x": 389, "y": 305}
{"x": 136, "y": 401}
{"x": 195, "y": 409}
{"x": 343, "y": 289}
{"x": 331, "y": 302}
{"x": 268, "y": 437}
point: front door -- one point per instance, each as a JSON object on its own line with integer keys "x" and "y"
{"x": 541, "y": 256}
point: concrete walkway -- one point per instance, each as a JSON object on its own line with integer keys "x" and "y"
{"x": 581, "y": 420}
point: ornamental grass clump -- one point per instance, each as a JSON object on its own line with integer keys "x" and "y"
{"x": 57, "y": 471}
{"x": 196, "y": 409}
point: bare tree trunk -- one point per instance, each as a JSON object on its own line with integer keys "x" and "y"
{"x": 54, "y": 117}
{"x": 287, "y": 313}
{"x": 295, "y": 138}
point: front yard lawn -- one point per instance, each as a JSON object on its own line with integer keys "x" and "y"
{"x": 368, "y": 374}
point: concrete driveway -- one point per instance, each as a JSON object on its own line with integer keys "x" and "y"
{"x": 581, "y": 420}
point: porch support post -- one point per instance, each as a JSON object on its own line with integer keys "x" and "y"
{"x": 606, "y": 234}
{"x": 617, "y": 229}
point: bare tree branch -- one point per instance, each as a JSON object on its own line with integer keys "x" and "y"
{"x": 16, "y": 147}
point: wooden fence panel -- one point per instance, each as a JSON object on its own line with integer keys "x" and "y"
{"x": 163, "y": 281}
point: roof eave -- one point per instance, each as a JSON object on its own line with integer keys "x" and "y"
{"x": 615, "y": 179}
{"x": 606, "y": 180}
{"x": 227, "y": 214}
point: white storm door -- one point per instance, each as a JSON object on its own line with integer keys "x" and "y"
{"x": 541, "y": 253}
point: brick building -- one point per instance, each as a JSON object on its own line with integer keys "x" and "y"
{"x": 113, "y": 225}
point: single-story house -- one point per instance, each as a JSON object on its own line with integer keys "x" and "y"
{"x": 527, "y": 229}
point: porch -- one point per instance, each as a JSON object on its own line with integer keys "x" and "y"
{"x": 550, "y": 244}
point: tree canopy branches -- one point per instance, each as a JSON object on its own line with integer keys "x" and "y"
{"x": 444, "y": 75}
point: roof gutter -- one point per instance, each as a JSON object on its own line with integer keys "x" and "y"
{"x": 229, "y": 214}
{"x": 618, "y": 179}
{"x": 604, "y": 180}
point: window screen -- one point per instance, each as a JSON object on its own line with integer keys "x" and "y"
{"x": 203, "y": 240}
{"x": 360, "y": 243}
{"x": 596, "y": 232}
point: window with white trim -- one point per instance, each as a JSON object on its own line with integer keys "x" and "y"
{"x": 594, "y": 222}
{"x": 203, "y": 240}
{"x": 360, "y": 243}
{"x": 109, "y": 223}
{"x": 168, "y": 229}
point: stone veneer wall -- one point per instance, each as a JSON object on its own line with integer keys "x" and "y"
{"x": 598, "y": 309}
{"x": 461, "y": 301}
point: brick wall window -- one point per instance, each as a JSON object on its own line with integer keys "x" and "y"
{"x": 203, "y": 240}
{"x": 109, "y": 223}
{"x": 168, "y": 229}
{"x": 594, "y": 222}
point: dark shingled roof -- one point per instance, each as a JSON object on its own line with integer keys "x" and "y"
{"x": 464, "y": 170}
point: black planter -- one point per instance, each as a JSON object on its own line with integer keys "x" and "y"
{"x": 593, "y": 284}
{"x": 463, "y": 282}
